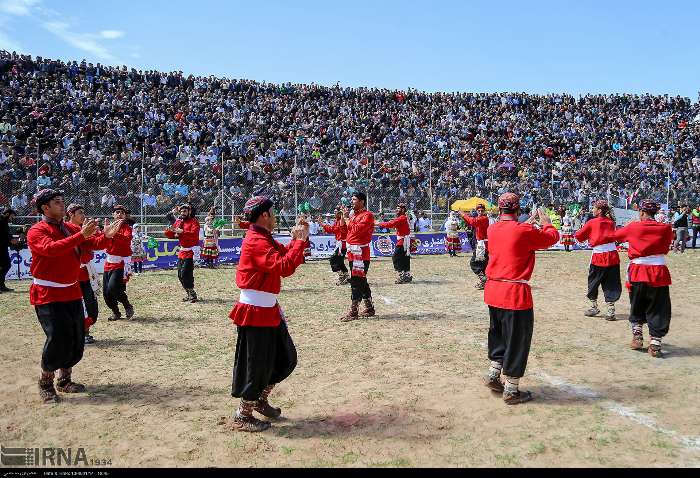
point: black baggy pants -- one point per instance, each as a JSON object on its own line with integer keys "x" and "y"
{"x": 337, "y": 261}
{"x": 264, "y": 356}
{"x": 650, "y": 305}
{"x": 114, "y": 289}
{"x": 359, "y": 287}
{"x": 90, "y": 301}
{"x": 510, "y": 335}
{"x": 401, "y": 260}
{"x": 64, "y": 326}
{"x": 185, "y": 272}
{"x": 608, "y": 278}
{"x": 5, "y": 264}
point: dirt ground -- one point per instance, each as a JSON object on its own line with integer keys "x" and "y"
{"x": 403, "y": 389}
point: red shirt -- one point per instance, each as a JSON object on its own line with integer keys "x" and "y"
{"x": 511, "y": 246}
{"x": 95, "y": 243}
{"x": 120, "y": 246}
{"x": 646, "y": 238}
{"x": 596, "y": 232}
{"x": 479, "y": 223}
{"x": 263, "y": 263}
{"x": 339, "y": 229}
{"x": 401, "y": 226}
{"x": 189, "y": 237}
{"x": 360, "y": 230}
{"x": 56, "y": 259}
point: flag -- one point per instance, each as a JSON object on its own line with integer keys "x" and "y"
{"x": 631, "y": 197}
{"x": 220, "y": 222}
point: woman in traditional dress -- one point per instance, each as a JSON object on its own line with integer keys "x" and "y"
{"x": 210, "y": 251}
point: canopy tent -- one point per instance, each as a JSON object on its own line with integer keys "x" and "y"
{"x": 469, "y": 204}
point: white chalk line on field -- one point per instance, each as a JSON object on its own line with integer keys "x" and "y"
{"x": 620, "y": 409}
{"x": 388, "y": 300}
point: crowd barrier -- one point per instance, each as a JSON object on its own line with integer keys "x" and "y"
{"x": 164, "y": 256}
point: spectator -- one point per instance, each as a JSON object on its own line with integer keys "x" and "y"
{"x": 424, "y": 223}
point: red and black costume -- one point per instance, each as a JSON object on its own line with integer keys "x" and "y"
{"x": 265, "y": 354}
{"x": 56, "y": 296}
{"x": 360, "y": 230}
{"x": 337, "y": 260}
{"x": 604, "y": 269}
{"x": 88, "y": 277}
{"x": 512, "y": 247}
{"x": 480, "y": 255}
{"x": 189, "y": 238}
{"x": 117, "y": 270}
{"x": 402, "y": 252}
{"x": 648, "y": 277}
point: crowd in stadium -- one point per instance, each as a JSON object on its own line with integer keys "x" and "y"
{"x": 83, "y": 128}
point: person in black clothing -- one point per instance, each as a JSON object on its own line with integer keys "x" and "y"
{"x": 5, "y": 240}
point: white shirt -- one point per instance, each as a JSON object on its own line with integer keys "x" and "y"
{"x": 313, "y": 228}
{"x": 424, "y": 224}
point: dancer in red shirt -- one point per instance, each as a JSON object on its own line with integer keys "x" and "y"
{"x": 512, "y": 247}
{"x": 117, "y": 270}
{"x": 402, "y": 252}
{"x": 480, "y": 256}
{"x": 55, "y": 292}
{"x": 648, "y": 277}
{"x": 186, "y": 229}
{"x": 360, "y": 228}
{"x": 265, "y": 354}
{"x": 89, "y": 279}
{"x": 604, "y": 269}
{"x": 337, "y": 260}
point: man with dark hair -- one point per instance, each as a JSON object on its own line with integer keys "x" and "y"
{"x": 512, "y": 247}
{"x": 265, "y": 354}
{"x": 480, "y": 255}
{"x": 360, "y": 228}
{"x": 337, "y": 260}
{"x": 117, "y": 270}
{"x": 648, "y": 278}
{"x": 186, "y": 229}
{"x": 604, "y": 269}
{"x": 88, "y": 279}
{"x": 5, "y": 240}
{"x": 402, "y": 252}
{"x": 55, "y": 292}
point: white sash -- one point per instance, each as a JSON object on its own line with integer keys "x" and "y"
{"x": 257, "y": 298}
{"x": 481, "y": 250}
{"x": 521, "y": 281}
{"x": 48, "y": 283}
{"x": 406, "y": 243}
{"x": 600, "y": 248}
{"x": 655, "y": 260}
{"x": 185, "y": 248}
{"x": 356, "y": 249}
{"x": 112, "y": 259}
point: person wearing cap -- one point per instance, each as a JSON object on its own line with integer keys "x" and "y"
{"x": 117, "y": 269}
{"x": 5, "y": 240}
{"x": 453, "y": 244}
{"x": 360, "y": 228}
{"x": 337, "y": 260}
{"x": 402, "y": 252}
{"x": 604, "y": 269}
{"x": 186, "y": 230}
{"x": 648, "y": 277}
{"x": 89, "y": 279}
{"x": 511, "y": 246}
{"x": 480, "y": 255}
{"x": 265, "y": 353}
{"x": 55, "y": 292}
